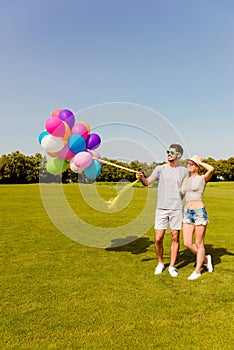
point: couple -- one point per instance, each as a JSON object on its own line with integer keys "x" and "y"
{"x": 175, "y": 182}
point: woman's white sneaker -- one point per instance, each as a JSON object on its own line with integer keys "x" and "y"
{"x": 194, "y": 276}
{"x": 209, "y": 265}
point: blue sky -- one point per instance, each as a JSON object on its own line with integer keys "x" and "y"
{"x": 172, "y": 56}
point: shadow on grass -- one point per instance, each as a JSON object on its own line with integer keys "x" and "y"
{"x": 185, "y": 256}
{"x": 135, "y": 245}
{"x": 217, "y": 253}
{"x": 131, "y": 244}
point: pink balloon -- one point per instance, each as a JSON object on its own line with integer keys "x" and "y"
{"x": 55, "y": 126}
{"x": 95, "y": 154}
{"x": 83, "y": 159}
{"x": 80, "y": 129}
{"x": 65, "y": 153}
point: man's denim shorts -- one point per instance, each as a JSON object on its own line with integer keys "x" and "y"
{"x": 195, "y": 216}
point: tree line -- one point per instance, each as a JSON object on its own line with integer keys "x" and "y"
{"x": 16, "y": 168}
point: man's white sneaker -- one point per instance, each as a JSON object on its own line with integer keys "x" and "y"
{"x": 209, "y": 265}
{"x": 159, "y": 268}
{"x": 194, "y": 276}
{"x": 172, "y": 271}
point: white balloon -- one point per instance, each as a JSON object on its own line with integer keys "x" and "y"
{"x": 51, "y": 143}
{"x": 74, "y": 168}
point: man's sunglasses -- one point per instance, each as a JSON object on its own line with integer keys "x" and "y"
{"x": 172, "y": 152}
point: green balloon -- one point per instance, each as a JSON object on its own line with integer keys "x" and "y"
{"x": 56, "y": 166}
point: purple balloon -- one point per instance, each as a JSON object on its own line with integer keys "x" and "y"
{"x": 67, "y": 116}
{"x": 93, "y": 141}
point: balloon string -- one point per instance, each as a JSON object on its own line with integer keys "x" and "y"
{"x": 115, "y": 165}
{"x": 111, "y": 203}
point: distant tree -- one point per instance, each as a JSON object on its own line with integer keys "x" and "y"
{"x": 18, "y": 168}
{"x": 228, "y": 172}
{"x": 13, "y": 167}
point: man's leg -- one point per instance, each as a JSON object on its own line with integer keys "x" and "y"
{"x": 175, "y": 246}
{"x": 158, "y": 244}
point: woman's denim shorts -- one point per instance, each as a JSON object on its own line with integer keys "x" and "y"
{"x": 195, "y": 216}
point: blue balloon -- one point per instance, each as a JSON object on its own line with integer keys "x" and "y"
{"x": 42, "y": 134}
{"x": 94, "y": 170}
{"x": 76, "y": 143}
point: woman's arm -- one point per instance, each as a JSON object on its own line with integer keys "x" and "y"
{"x": 209, "y": 168}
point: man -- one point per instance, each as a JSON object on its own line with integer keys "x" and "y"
{"x": 169, "y": 205}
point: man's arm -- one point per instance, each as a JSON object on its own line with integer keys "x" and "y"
{"x": 146, "y": 181}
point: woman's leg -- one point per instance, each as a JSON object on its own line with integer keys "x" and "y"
{"x": 200, "y": 237}
{"x": 188, "y": 230}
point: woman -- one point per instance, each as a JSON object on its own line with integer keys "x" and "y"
{"x": 195, "y": 217}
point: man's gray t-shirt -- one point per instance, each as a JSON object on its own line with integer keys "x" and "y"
{"x": 169, "y": 183}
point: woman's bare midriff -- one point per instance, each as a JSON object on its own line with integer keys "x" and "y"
{"x": 192, "y": 205}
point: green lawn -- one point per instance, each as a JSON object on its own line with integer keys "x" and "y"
{"x": 59, "y": 294}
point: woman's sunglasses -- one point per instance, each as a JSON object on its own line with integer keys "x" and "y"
{"x": 191, "y": 163}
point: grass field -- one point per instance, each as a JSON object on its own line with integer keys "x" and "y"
{"x": 59, "y": 294}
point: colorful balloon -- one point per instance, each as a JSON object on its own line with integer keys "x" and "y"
{"x": 55, "y": 126}
{"x": 65, "y": 153}
{"x": 76, "y": 143}
{"x": 93, "y": 141}
{"x": 56, "y": 166}
{"x": 94, "y": 170}
{"x": 86, "y": 125}
{"x": 41, "y": 135}
{"x": 67, "y": 132}
{"x": 74, "y": 168}
{"x": 55, "y": 113}
{"x": 83, "y": 160}
{"x": 51, "y": 143}
{"x": 80, "y": 129}
{"x": 66, "y": 142}
{"x": 51, "y": 154}
{"x": 95, "y": 154}
{"x": 67, "y": 116}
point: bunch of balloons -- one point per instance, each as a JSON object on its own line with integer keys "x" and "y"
{"x": 70, "y": 144}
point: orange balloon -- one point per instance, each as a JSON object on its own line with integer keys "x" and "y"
{"x": 67, "y": 132}
{"x": 51, "y": 154}
{"x": 55, "y": 113}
